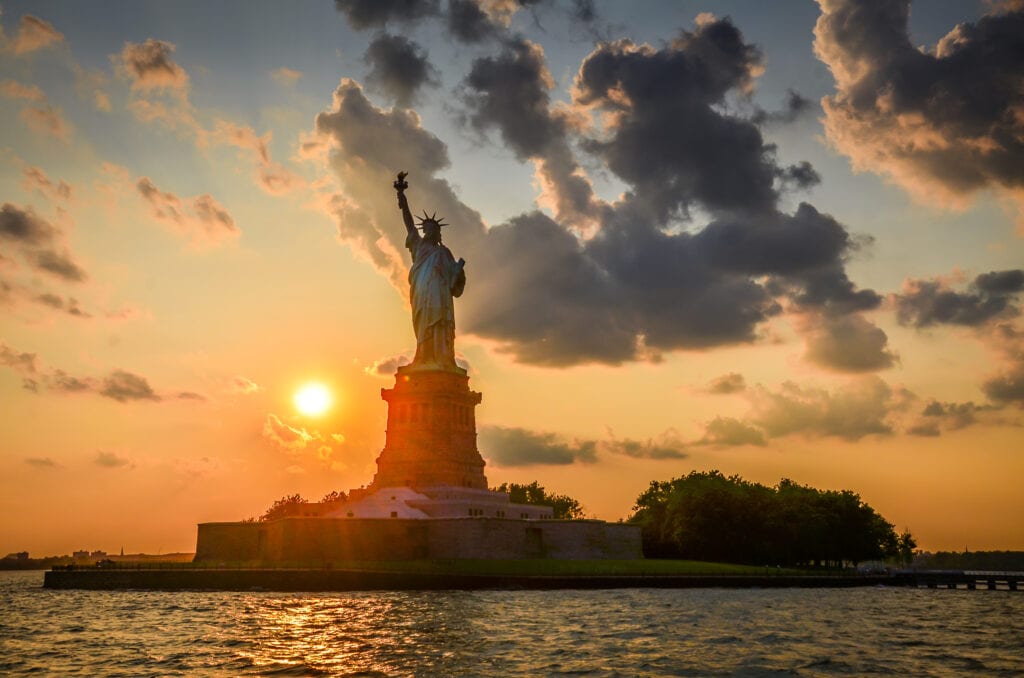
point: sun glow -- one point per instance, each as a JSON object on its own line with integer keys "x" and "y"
{"x": 312, "y": 399}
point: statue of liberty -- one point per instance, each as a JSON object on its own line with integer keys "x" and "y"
{"x": 434, "y": 279}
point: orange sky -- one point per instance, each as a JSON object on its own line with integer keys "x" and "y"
{"x": 195, "y": 225}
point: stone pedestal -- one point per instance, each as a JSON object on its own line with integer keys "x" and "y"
{"x": 431, "y": 431}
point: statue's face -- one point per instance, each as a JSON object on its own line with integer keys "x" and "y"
{"x": 432, "y": 232}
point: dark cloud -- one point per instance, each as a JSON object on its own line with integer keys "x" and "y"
{"x": 37, "y": 240}
{"x": 509, "y": 92}
{"x": 924, "y": 303}
{"x": 937, "y": 417}
{"x": 670, "y": 141}
{"x": 727, "y": 383}
{"x": 399, "y": 68}
{"x": 794, "y": 107}
{"x": 1007, "y": 387}
{"x": 124, "y": 386}
{"x": 849, "y": 344}
{"x": 801, "y": 175}
{"x": 59, "y": 264}
{"x": 731, "y": 432}
{"x": 1001, "y": 282}
{"x": 940, "y": 122}
{"x": 362, "y": 14}
{"x": 507, "y": 447}
{"x": 467, "y": 22}
{"x": 190, "y": 395}
{"x": 665, "y": 447}
{"x": 640, "y": 285}
{"x": 110, "y": 460}
{"x": 24, "y": 227}
{"x": 957, "y": 415}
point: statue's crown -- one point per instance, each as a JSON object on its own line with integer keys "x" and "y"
{"x": 431, "y": 219}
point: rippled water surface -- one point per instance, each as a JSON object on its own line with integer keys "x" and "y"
{"x": 646, "y": 632}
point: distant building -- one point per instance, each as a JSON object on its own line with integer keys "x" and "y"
{"x": 20, "y": 555}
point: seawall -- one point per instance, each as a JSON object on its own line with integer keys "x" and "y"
{"x": 351, "y": 580}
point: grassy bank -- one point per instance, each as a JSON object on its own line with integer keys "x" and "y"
{"x": 540, "y": 567}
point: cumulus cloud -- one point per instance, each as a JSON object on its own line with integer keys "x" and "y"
{"x": 1007, "y": 385}
{"x": 506, "y": 447}
{"x": 731, "y": 432}
{"x": 943, "y": 122}
{"x": 849, "y": 344}
{"x": 993, "y": 295}
{"x": 399, "y": 68}
{"x": 388, "y": 365}
{"x": 202, "y": 219}
{"x": 732, "y": 382}
{"x": 288, "y": 437}
{"x": 362, "y": 14}
{"x": 639, "y": 284}
{"x": 33, "y": 34}
{"x": 149, "y": 66}
{"x": 850, "y": 413}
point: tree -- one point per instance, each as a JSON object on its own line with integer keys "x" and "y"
{"x": 708, "y": 516}
{"x": 563, "y": 506}
{"x": 288, "y": 505}
{"x": 905, "y": 545}
{"x": 336, "y": 496}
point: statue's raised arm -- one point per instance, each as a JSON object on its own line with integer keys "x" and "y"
{"x": 434, "y": 279}
{"x": 403, "y": 204}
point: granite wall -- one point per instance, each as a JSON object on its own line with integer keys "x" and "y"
{"x": 325, "y": 540}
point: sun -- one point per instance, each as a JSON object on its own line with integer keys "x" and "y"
{"x": 312, "y": 399}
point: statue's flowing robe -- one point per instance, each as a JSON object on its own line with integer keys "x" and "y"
{"x": 434, "y": 279}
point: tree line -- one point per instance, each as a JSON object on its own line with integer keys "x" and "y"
{"x": 563, "y": 506}
{"x": 708, "y": 516}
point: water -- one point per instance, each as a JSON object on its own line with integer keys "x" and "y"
{"x": 639, "y": 632}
